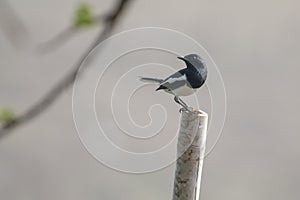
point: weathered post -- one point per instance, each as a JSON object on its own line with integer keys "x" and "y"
{"x": 190, "y": 151}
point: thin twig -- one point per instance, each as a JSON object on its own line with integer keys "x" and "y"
{"x": 57, "y": 41}
{"x": 63, "y": 36}
{"x": 69, "y": 79}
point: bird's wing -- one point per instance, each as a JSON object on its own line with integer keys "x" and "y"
{"x": 174, "y": 81}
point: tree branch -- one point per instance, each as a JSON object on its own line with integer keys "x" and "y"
{"x": 69, "y": 79}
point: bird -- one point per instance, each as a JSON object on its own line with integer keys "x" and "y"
{"x": 184, "y": 82}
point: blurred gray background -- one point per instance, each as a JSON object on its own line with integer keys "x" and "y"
{"x": 256, "y": 46}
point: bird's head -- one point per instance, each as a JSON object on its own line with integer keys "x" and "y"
{"x": 194, "y": 60}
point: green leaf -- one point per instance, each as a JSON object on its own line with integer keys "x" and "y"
{"x": 7, "y": 116}
{"x": 84, "y": 16}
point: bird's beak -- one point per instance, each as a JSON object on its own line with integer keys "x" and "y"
{"x": 182, "y": 58}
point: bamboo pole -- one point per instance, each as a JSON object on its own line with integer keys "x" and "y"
{"x": 191, "y": 151}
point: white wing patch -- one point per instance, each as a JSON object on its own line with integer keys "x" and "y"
{"x": 182, "y": 90}
{"x": 174, "y": 79}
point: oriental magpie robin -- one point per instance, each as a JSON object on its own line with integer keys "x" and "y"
{"x": 185, "y": 81}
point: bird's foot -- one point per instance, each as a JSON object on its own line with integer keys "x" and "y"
{"x": 183, "y": 104}
{"x": 186, "y": 109}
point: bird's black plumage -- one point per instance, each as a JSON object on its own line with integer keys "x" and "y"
{"x": 185, "y": 81}
{"x": 193, "y": 76}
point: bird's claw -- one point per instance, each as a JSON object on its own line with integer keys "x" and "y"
{"x": 184, "y": 109}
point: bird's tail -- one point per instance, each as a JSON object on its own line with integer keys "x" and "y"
{"x": 150, "y": 80}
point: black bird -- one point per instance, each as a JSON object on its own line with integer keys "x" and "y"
{"x": 185, "y": 81}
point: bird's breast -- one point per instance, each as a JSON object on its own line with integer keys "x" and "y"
{"x": 182, "y": 91}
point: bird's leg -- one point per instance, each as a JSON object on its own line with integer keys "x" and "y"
{"x": 186, "y": 107}
{"x": 182, "y": 103}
